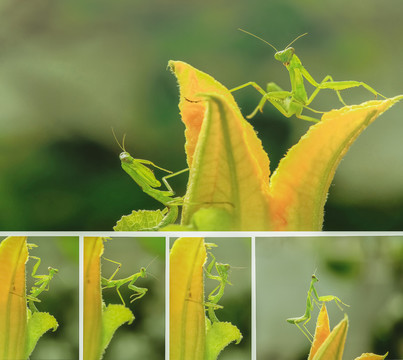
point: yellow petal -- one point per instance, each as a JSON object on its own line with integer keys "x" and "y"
{"x": 93, "y": 249}
{"x": 186, "y": 300}
{"x": 13, "y": 309}
{"x": 370, "y": 356}
{"x": 192, "y": 83}
{"x": 333, "y": 347}
{"x": 322, "y": 331}
{"x": 226, "y": 174}
{"x": 300, "y": 185}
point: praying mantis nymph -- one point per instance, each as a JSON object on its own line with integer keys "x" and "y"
{"x": 310, "y": 300}
{"x": 215, "y": 296}
{"x": 138, "y": 170}
{"x": 139, "y": 292}
{"x": 42, "y": 284}
{"x": 293, "y": 102}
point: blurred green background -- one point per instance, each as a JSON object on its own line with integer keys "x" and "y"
{"x": 364, "y": 272}
{"x": 71, "y": 70}
{"x": 61, "y": 300}
{"x": 237, "y": 297}
{"x": 145, "y": 337}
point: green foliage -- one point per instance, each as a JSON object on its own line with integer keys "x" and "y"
{"x": 113, "y": 316}
{"x": 218, "y": 336}
{"x": 38, "y": 324}
{"x": 140, "y": 220}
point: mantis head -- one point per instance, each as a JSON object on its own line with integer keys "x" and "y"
{"x": 223, "y": 271}
{"x": 52, "y": 271}
{"x": 125, "y": 157}
{"x": 285, "y": 55}
{"x": 143, "y": 272}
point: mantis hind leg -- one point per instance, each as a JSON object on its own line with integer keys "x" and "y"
{"x": 305, "y": 331}
{"x": 323, "y": 85}
{"x": 260, "y": 90}
{"x": 120, "y": 295}
{"x": 164, "y": 180}
{"x": 117, "y": 269}
{"x": 31, "y": 304}
{"x": 328, "y": 298}
{"x": 250, "y": 83}
{"x": 342, "y": 85}
{"x": 211, "y": 307}
{"x": 306, "y": 118}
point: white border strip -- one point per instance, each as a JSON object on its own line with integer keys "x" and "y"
{"x": 167, "y": 298}
{"x": 202, "y": 233}
{"x": 81, "y": 298}
{"x": 253, "y": 298}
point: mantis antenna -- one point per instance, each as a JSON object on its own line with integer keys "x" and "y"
{"x": 122, "y": 147}
{"x": 296, "y": 39}
{"x": 155, "y": 258}
{"x": 257, "y": 37}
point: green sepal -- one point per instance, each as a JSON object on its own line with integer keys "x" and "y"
{"x": 212, "y": 219}
{"x": 218, "y": 336}
{"x": 113, "y": 316}
{"x": 38, "y": 324}
{"x": 140, "y": 220}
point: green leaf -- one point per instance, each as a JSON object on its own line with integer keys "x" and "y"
{"x": 140, "y": 220}
{"x": 113, "y": 316}
{"x": 38, "y": 324}
{"x": 219, "y": 335}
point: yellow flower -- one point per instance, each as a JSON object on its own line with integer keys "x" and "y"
{"x": 230, "y": 187}
{"x": 329, "y": 345}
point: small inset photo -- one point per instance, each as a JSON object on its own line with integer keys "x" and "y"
{"x": 210, "y": 298}
{"x": 39, "y": 297}
{"x": 329, "y": 297}
{"x": 124, "y": 298}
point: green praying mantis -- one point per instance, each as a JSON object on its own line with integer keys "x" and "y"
{"x": 310, "y": 300}
{"x": 215, "y": 296}
{"x": 139, "y": 171}
{"x": 138, "y": 292}
{"x": 42, "y": 284}
{"x": 293, "y": 102}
